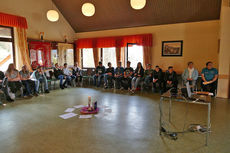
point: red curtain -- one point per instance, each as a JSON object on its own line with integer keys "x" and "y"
{"x": 13, "y": 21}
{"x": 44, "y": 48}
{"x": 118, "y": 41}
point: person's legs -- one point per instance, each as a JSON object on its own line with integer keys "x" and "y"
{"x": 45, "y": 83}
{"x": 95, "y": 80}
{"x": 37, "y": 83}
{"x": 100, "y": 77}
{"x": 61, "y": 77}
{"x": 26, "y": 84}
{"x": 106, "y": 80}
{"x": 213, "y": 87}
{"x": 137, "y": 82}
{"x": 133, "y": 83}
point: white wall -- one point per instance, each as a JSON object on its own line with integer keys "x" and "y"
{"x": 35, "y": 13}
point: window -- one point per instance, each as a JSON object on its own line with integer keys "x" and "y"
{"x": 87, "y": 58}
{"x": 134, "y": 54}
{"x": 69, "y": 57}
{"x": 54, "y": 55}
{"x": 109, "y": 55}
{"x": 6, "y": 47}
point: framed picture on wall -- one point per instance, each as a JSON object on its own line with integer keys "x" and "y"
{"x": 172, "y": 48}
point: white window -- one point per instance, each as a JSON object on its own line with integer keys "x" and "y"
{"x": 54, "y": 56}
{"x": 69, "y": 57}
{"x": 109, "y": 55}
{"x": 6, "y": 48}
{"x": 87, "y": 57}
{"x": 135, "y": 55}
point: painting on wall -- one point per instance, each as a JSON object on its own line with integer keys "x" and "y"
{"x": 172, "y": 48}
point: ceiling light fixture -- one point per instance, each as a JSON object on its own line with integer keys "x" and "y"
{"x": 137, "y": 4}
{"x": 88, "y": 9}
{"x": 52, "y": 15}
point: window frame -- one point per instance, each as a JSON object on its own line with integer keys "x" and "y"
{"x": 126, "y": 53}
{"x": 10, "y": 40}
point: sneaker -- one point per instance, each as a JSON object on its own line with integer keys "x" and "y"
{"x": 106, "y": 87}
{"x": 47, "y": 91}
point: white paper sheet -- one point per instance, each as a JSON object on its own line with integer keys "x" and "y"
{"x": 85, "y": 116}
{"x": 68, "y": 115}
{"x": 78, "y": 106}
{"x": 69, "y": 110}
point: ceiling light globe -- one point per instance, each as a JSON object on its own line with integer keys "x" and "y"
{"x": 88, "y": 9}
{"x": 52, "y": 15}
{"x": 137, "y": 4}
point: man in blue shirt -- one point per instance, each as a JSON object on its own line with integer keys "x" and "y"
{"x": 209, "y": 78}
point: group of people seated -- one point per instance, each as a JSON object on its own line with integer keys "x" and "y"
{"x": 130, "y": 79}
{"x": 28, "y": 83}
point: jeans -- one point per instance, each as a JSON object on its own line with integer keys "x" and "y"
{"x": 27, "y": 85}
{"x": 39, "y": 80}
{"x": 158, "y": 85}
{"x": 61, "y": 77}
{"x": 108, "y": 78}
{"x": 99, "y": 78}
{"x": 135, "y": 82}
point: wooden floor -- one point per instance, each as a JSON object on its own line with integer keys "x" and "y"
{"x": 33, "y": 125}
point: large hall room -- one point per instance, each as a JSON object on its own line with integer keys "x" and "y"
{"x": 114, "y": 76}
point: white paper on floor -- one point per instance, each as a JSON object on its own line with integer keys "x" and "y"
{"x": 85, "y": 116}
{"x": 68, "y": 115}
{"x": 78, "y": 106}
{"x": 69, "y": 110}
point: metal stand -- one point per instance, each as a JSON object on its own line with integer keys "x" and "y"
{"x": 180, "y": 99}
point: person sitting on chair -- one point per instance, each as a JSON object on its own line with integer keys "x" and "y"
{"x": 2, "y": 76}
{"x": 138, "y": 75}
{"x": 77, "y": 72}
{"x": 119, "y": 73}
{"x": 170, "y": 79}
{"x": 209, "y": 78}
{"x": 58, "y": 74}
{"x": 128, "y": 75}
{"x": 109, "y": 74}
{"x": 14, "y": 81}
{"x": 190, "y": 75}
{"x": 148, "y": 75}
{"x": 26, "y": 81}
{"x": 68, "y": 76}
{"x": 158, "y": 79}
{"x": 100, "y": 71}
{"x": 39, "y": 76}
